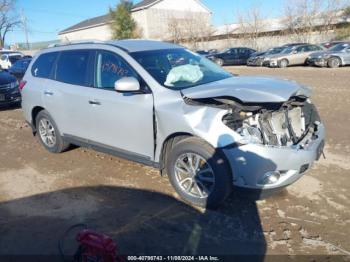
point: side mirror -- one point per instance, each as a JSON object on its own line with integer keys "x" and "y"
{"x": 294, "y": 52}
{"x": 127, "y": 84}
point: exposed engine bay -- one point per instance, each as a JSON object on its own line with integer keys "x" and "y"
{"x": 273, "y": 124}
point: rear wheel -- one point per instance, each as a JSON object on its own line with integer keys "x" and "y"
{"x": 283, "y": 63}
{"x": 48, "y": 133}
{"x": 199, "y": 173}
{"x": 334, "y": 62}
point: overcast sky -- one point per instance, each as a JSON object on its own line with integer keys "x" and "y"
{"x": 47, "y": 17}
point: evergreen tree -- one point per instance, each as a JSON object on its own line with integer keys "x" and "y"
{"x": 123, "y": 25}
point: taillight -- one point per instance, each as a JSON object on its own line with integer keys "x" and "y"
{"x": 22, "y": 85}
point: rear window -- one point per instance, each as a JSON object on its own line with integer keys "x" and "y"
{"x": 43, "y": 65}
{"x": 72, "y": 67}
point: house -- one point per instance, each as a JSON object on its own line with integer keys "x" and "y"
{"x": 153, "y": 17}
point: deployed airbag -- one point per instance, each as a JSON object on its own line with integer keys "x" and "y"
{"x": 186, "y": 73}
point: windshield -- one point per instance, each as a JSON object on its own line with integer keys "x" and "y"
{"x": 179, "y": 69}
{"x": 287, "y": 50}
{"x": 339, "y": 47}
{"x": 274, "y": 51}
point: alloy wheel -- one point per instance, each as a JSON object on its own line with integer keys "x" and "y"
{"x": 47, "y": 132}
{"x": 194, "y": 175}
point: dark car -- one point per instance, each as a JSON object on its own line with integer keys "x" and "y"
{"x": 232, "y": 56}
{"x": 9, "y": 90}
{"x": 19, "y": 68}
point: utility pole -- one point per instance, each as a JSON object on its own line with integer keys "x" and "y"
{"x": 25, "y": 27}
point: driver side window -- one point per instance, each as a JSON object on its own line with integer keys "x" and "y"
{"x": 111, "y": 68}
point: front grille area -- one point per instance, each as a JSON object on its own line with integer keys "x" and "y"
{"x": 284, "y": 127}
{"x": 5, "y": 88}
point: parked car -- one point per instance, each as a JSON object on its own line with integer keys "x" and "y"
{"x": 333, "y": 43}
{"x": 204, "y": 127}
{"x": 232, "y": 56}
{"x": 257, "y": 59}
{"x": 295, "y": 55}
{"x": 9, "y": 90}
{"x": 7, "y": 59}
{"x": 338, "y": 55}
{"x": 19, "y": 68}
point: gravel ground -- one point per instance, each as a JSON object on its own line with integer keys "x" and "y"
{"x": 41, "y": 194}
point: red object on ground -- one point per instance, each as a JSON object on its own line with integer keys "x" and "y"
{"x": 96, "y": 247}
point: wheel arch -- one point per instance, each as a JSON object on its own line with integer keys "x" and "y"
{"x": 167, "y": 145}
{"x": 338, "y": 57}
{"x": 35, "y": 111}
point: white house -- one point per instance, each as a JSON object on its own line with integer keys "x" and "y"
{"x": 153, "y": 18}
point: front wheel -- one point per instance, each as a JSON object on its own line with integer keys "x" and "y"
{"x": 219, "y": 61}
{"x": 283, "y": 63}
{"x": 199, "y": 173}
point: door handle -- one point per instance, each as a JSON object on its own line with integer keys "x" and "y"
{"x": 95, "y": 103}
{"x": 48, "y": 93}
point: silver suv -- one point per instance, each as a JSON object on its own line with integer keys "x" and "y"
{"x": 164, "y": 106}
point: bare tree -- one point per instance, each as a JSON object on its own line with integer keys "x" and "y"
{"x": 190, "y": 28}
{"x": 8, "y": 21}
{"x": 251, "y": 25}
{"x": 303, "y": 17}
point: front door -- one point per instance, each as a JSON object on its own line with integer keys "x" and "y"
{"x": 120, "y": 121}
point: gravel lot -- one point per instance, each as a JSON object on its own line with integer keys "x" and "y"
{"x": 41, "y": 195}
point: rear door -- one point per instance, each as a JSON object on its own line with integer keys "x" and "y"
{"x": 122, "y": 121}
{"x": 66, "y": 96}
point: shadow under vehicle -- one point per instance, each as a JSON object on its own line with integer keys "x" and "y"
{"x": 141, "y": 223}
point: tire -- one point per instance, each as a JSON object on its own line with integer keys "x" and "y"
{"x": 219, "y": 61}
{"x": 55, "y": 144}
{"x": 333, "y": 62}
{"x": 211, "y": 160}
{"x": 283, "y": 63}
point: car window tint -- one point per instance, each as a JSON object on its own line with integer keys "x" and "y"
{"x": 72, "y": 67}
{"x": 42, "y": 67}
{"x": 111, "y": 68}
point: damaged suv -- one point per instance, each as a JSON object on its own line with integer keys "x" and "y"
{"x": 161, "y": 105}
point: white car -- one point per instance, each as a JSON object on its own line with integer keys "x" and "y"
{"x": 162, "y": 105}
{"x": 7, "y": 59}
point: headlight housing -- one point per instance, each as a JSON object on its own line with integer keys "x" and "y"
{"x": 14, "y": 85}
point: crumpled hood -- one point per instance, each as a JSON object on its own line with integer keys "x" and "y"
{"x": 249, "y": 89}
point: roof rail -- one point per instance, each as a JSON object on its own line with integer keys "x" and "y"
{"x": 76, "y": 43}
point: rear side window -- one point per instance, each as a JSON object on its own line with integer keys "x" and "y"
{"x": 73, "y": 67}
{"x": 42, "y": 67}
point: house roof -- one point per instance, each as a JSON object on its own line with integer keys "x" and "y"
{"x": 144, "y": 4}
{"x": 92, "y": 22}
{"x": 105, "y": 19}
